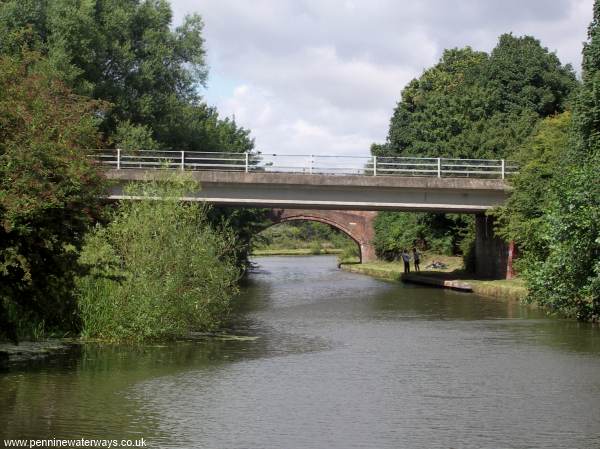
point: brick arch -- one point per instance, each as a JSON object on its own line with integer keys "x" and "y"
{"x": 356, "y": 225}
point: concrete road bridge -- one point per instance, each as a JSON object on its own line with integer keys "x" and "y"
{"x": 342, "y": 191}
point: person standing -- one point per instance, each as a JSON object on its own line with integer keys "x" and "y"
{"x": 416, "y": 258}
{"x": 406, "y": 259}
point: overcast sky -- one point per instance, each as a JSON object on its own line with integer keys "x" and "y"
{"x": 323, "y": 76}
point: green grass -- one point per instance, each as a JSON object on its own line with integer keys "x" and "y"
{"x": 514, "y": 289}
{"x": 393, "y": 270}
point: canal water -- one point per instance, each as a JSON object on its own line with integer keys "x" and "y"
{"x": 330, "y": 360}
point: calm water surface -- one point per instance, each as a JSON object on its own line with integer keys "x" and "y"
{"x": 339, "y": 361}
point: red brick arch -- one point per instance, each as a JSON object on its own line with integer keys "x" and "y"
{"x": 358, "y": 225}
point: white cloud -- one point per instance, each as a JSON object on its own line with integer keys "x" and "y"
{"x": 323, "y": 76}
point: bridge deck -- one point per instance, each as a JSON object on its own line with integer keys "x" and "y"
{"x": 337, "y": 192}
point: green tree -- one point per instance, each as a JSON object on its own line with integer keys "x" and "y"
{"x": 541, "y": 159}
{"x": 126, "y": 52}
{"x": 49, "y": 194}
{"x": 567, "y": 278}
{"x": 474, "y": 105}
{"x": 440, "y": 233}
{"x": 565, "y": 274}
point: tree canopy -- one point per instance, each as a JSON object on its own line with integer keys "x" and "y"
{"x": 125, "y": 52}
{"x": 475, "y": 105}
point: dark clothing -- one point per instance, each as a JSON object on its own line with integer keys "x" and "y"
{"x": 417, "y": 259}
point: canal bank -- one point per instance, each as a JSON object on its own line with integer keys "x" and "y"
{"x": 450, "y": 276}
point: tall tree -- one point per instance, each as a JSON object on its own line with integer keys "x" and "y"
{"x": 125, "y": 52}
{"x": 49, "y": 194}
{"x": 476, "y": 105}
{"x": 566, "y": 275}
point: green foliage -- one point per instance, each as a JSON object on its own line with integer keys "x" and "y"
{"x": 567, "y": 279}
{"x": 442, "y": 234}
{"x": 591, "y": 48}
{"x": 564, "y": 270}
{"x": 350, "y": 254}
{"x": 470, "y": 105}
{"x": 315, "y": 247}
{"x": 302, "y": 234}
{"x": 49, "y": 195}
{"x": 244, "y": 224}
{"x": 586, "y": 114}
{"x": 126, "y": 52}
{"x": 474, "y": 105}
{"x": 132, "y": 137}
{"x": 554, "y": 212}
{"x": 541, "y": 159}
{"x": 158, "y": 269}
{"x": 120, "y": 52}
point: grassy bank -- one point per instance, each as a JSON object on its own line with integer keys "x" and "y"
{"x": 393, "y": 270}
{"x": 511, "y": 290}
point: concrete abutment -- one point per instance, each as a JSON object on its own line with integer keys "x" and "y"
{"x": 493, "y": 256}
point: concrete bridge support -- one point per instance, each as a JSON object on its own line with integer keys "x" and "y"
{"x": 493, "y": 256}
{"x": 358, "y": 225}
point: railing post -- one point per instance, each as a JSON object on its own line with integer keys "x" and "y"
{"x": 118, "y": 159}
{"x": 502, "y": 168}
{"x": 183, "y": 160}
{"x": 246, "y": 162}
{"x": 439, "y": 167}
{"x": 374, "y": 165}
{"x": 310, "y": 167}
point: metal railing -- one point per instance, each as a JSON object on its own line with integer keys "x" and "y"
{"x": 307, "y": 164}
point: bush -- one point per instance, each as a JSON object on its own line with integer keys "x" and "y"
{"x": 158, "y": 270}
{"x": 350, "y": 253}
{"x": 315, "y": 247}
{"x": 440, "y": 233}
